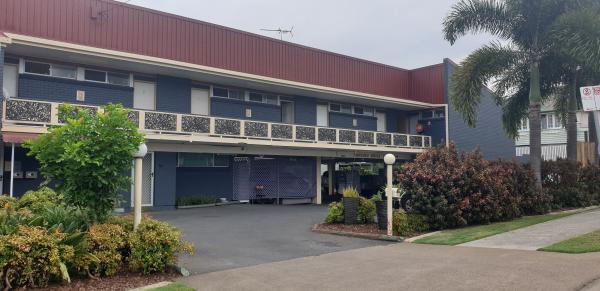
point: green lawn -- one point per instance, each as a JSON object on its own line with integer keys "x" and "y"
{"x": 467, "y": 234}
{"x": 586, "y": 243}
{"x": 174, "y": 287}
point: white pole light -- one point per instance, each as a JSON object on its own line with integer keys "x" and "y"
{"x": 389, "y": 160}
{"x": 137, "y": 188}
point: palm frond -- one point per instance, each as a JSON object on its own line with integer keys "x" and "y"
{"x": 577, "y": 34}
{"x": 514, "y": 111}
{"x": 474, "y": 72}
{"x": 478, "y": 16}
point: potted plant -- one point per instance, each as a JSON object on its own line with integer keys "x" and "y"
{"x": 381, "y": 209}
{"x": 350, "y": 201}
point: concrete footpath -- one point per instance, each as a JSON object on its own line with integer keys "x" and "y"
{"x": 405, "y": 266}
{"x": 543, "y": 234}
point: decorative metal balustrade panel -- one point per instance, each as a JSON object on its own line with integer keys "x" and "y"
{"x": 160, "y": 121}
{"x": 76, "y": 108}
{"x": 227, "y": 126}
{"x": 281, "y": 131}
{"x": 400, "y": 140}
{"x": 305, "y": 133}
{"x": 28, "y": 111}
{"x": 347, "y": 136}
{"x": 326, "y": 134}
{"x": 384, "y": 139}
{"x": 134, "y": 116}
{"x": 365, "y": 137}
{"x": 195, "y": 124}
{"x": 416, "y": 141}
{"x": 256, "y": 129}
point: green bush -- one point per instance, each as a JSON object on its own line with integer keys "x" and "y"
{"x": 197, "y": 200}
{"x": 62, "y": 218}
{"x": 33, "y": 256}
{"x": 40, "y": 199}
{"x": 335, "y": 213}
{"x": 87, "y": 156}
{"x": 570, "y": 184}
{"x": 102, "y": 246}
{"x": 155, "y": 245}
{"x": 4, "y": 200}
{"x": 366, "y": 210}
{"x": 408, "y": 224}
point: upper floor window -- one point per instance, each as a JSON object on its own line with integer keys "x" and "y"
{"x": 60, "y": 71}
{"x": 196, "y": 160}
{"x": 343, "y": 108}
{"x": 428, "y": 114}
{"x": 524, "y": 125}
{"x": 263, "y": 98}
{"x": 550, "y": 121}
{"x": 228, "y": 93}
{"x": 113, "y": 78}
{"x": 363, "y": 110}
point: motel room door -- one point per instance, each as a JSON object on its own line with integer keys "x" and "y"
{"x": 322, "y": 115}
{"x": 144, "y": 95}
{"x": 200, "y": 101}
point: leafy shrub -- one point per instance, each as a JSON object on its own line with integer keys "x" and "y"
{"x": 366, "y": 210}
{"x": 453, "y": 189}
{"x": 570, "y": 184}
{"x": 124, "y": 221}
{"x": 40, "y": 199}
{"x": 155, "y": 245}
{"x": 87, "y": 156}
{"x": 378, "y": 196}
{"x": 408, "y": 224}
{"x": 7, "y": 201}
{"x": 197, "y": 200}
{"x": 102, "y": 245}
{"x": 32, "y": 256}
{"x": 335, "y": 213}
{"x": 61, "y": 218}
{"x": 350, "y": 192}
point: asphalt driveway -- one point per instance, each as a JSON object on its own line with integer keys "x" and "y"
{"x": 235, "y": 236}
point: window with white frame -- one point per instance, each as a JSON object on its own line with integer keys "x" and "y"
{"x": 114, "y": 78}
{"x": 263, "y": 98}
{"x": 351, "y": 109}
{"x": 550, "y": 121}
{"x": 228, "y": 93}
{"x": 47, "y": 69}
{"x": 524, "y": 125}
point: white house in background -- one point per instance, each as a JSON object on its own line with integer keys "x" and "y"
{"x": 554, "y": 134}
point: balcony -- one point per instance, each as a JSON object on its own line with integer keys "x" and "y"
{"x": 32, "y": 116}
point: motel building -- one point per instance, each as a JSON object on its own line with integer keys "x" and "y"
{"x": 225, "y": 113}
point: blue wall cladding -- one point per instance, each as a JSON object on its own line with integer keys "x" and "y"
{"x": 236, "y": 109}
{"x": 344, "y": 120}
{"x": 305, "y": 110}
{"x": 173, "y": 94}
{"x": 65, "y": 90}
{"x": 23, "y": 164}
{"x": 215, "y": 182}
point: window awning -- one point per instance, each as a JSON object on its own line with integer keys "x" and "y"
{"x": 17, "y": 137}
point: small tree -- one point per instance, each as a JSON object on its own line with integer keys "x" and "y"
{"x": 86, "y": 158}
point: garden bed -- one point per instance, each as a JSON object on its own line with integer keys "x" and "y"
{"x": 368, "y": 231}
{"x": 123, "y": 280}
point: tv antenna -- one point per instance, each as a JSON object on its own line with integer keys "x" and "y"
{"x": 281, "y": 31}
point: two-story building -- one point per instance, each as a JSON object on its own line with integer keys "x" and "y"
{"x": 225, "y": 113}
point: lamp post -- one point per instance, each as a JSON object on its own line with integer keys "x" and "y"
{"x": 389, "y": 160}
{"x": 137, "y": 188}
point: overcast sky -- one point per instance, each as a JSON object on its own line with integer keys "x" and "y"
{"x": 402, "y": 33}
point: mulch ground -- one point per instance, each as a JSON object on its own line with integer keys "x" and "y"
{"x": 353, "y": 228}
{"x": 124, "y": 280}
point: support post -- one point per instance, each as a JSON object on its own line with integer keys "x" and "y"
{"x": 319, "y": 199}
{"x": 330, "y": 174}
{"x": 389, "y": 160}
{"x": 12, "y": 168}
{"x": 137, "y": 193}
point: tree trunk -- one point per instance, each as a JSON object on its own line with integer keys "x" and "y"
{"x": 572, "y": 120}
{"x": 535, "y": 128}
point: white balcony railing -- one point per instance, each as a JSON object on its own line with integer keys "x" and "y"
{"x": 22, "y": 112}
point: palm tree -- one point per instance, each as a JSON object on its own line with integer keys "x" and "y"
{"x": 526, "y": 44}
{"x": 577, "y": 37}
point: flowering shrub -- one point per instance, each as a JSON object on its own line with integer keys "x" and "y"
{"x": 102, "y": 245}
{"x": 452, "y": 189}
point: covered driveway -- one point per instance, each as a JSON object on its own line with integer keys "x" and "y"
{"x": 243, "y": 235}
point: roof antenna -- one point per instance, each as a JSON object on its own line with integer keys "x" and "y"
{"x": 281, "y": 32}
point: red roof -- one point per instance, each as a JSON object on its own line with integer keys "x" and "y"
{"x": 117, "y": 26}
